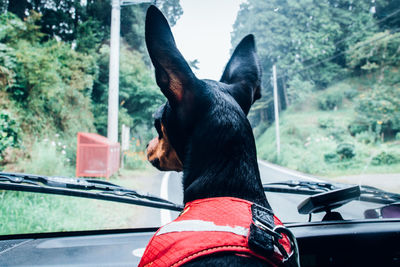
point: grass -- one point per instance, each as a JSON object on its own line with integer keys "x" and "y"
{"x": 136, "y": 161}
{"x": 46, "y": 157}
{"x": 23, "y": 212}
{"x": 307, "y": 134}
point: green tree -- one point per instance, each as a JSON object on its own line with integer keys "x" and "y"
{"x": 379, "y": 109}
{"x": 9, "y": 132}
{"x": 387, "y": 13}
{"x": 51, "y": 84}
{"x": 306, "y": 39}
{"x": 138, "y": 94}
{"x": 88, "y": 22}
{"x": 375, "y": 52}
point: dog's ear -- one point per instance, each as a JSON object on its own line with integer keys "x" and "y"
{"x": 243, "y": 72}
{"x": 173, "y": 74}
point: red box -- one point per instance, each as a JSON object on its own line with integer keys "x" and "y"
{"x": 96, "y": 156}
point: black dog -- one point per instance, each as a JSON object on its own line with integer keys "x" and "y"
{"x": 203, "y": 130}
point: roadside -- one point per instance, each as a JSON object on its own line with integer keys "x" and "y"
{"x": 143, "y": 181}
{"x": 386, "y": 181}
{"x": 27, "y": 212}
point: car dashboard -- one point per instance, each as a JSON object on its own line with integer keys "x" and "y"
{"x": 344, "y": 243}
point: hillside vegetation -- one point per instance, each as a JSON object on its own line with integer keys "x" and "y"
{"x": 54, "y": 64}
{"x": 338, "y": 83}
{"x": 325, "y": 133}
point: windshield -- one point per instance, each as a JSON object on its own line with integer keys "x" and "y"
{"x": 78, "y": 94}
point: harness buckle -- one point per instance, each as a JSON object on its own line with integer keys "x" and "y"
{"x": 292, "y": 259}
{"x": 264, "y": 227}
{"x": 265, "y": 235}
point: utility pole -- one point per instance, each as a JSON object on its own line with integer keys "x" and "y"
{"x": 276, "y": 109}
{"x": 113, "y": 82}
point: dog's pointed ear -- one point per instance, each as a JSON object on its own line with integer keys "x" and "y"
{"x": 243, "y": 72}
{"x": 173, "y": 74}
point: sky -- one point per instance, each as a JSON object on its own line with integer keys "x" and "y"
{"x": 203, "y": 32}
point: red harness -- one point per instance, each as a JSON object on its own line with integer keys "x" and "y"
{"x": 208, "y": 226}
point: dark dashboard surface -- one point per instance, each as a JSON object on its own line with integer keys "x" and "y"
{"x": 349, "y": 243}
{"x": 115, "y": 249}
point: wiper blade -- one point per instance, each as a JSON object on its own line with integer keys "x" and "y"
{"x": 367, "y": 193}
{"x": 300, "y": 187}
{"x": 376, "y": 195}
{"x": 79, "y": 187}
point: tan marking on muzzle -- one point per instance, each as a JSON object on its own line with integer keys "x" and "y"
{"x": 162, "y": 155}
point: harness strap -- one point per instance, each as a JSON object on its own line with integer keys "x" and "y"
{"x": 213, "y": 225}
{"x": 201, "y": 226}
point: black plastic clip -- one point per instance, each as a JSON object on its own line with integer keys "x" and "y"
{"x": 264, "y": 236}
{"x": 292, "y": 259}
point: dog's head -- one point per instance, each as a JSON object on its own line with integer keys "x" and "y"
{"x": 194, "y": 106}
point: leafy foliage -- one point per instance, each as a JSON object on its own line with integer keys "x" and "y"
{"x": 357, "y": 127}
{"x": 138, "y": 94}
{"x": 331, "y": 158}
{"x": 375, "y": 52}
{"x": 299, "y": 89}
{"x": 345, "y": 151}
{"x": 325, "y": 142}
{"x": 310, "y": 41}
{"x": 48, "y": 157}
{"x": 386, "y": 158}
{"x": 330, "y": 101}
{"x": 9, "y": 132}
{"x": 379, "y": 108}
{"x": 87, "y": 23}
{"x": 7, "y": 63}
{"x": 336, "y": 55}
{"x": 48, "y": 84}
{"x": 325, "y": 123}
{"x": 53, "y": 82}
{"x": 366, "y": 137}
{"x": 57, "y": 90}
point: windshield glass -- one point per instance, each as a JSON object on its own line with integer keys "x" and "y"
{"x": 72, "y": 104}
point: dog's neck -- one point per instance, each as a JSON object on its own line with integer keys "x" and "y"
{"x": 214, "y": 168}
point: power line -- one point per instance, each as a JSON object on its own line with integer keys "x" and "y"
{"x": 337, "y": 55}
{"x": 358, "y": 33}
{"x": 351, "y": 36}
{"x": 377, "y": 22}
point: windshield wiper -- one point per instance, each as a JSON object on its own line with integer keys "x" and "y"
{"x": 79, "y": 187}
{"x": 299, "y": 187}
{"x": 376, "y": 195}
{"x": 367, "y": 193}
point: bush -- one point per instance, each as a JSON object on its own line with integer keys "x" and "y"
{"x": 50, "y": 82}
{"x": 397, "y": 136}
{"x": 366, "y": 137}
{"x": 384, "y": 52}
{"x": 135, "y": 160}
{"x": 48, "y": 157}
{"x": 331, "y": 158}
{"x": 345, "y": 151}
{"x": 338, "y": 133}
{"x": 9, "y": 132}
{"x": 350, "y": 94}
{"x": 330, "y": 101}
{"x": 385, "y": 158}
{"x": 299, "y": 90}
{"x": 356, "y": 128}
{"x": 379, "y": 108}
{"x": 325, "y": 123}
